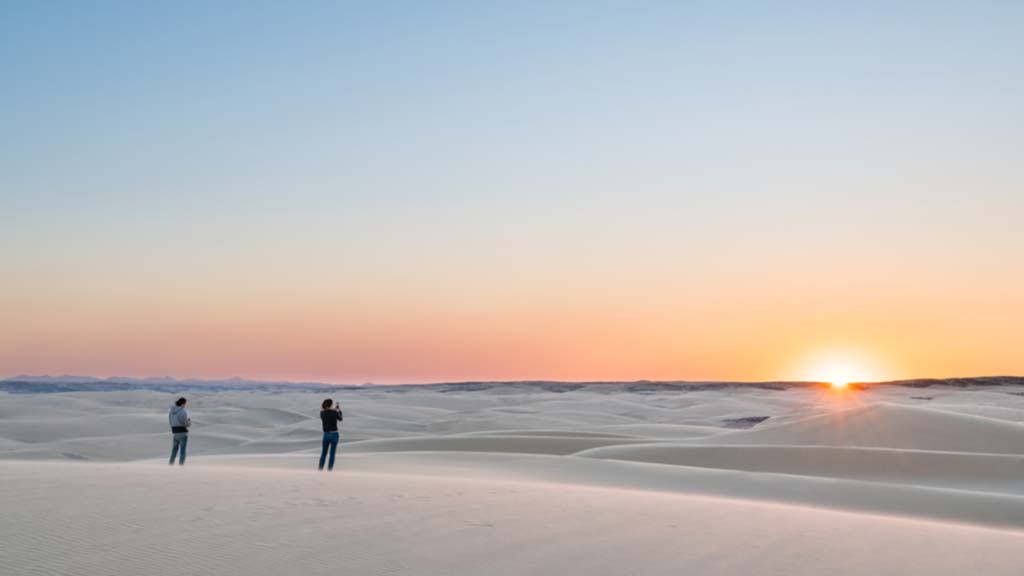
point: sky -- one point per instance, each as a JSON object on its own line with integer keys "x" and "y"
{"x": 431, "y": 191}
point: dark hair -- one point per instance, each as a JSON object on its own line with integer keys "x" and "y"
{"x": 326, "y": 404}
{"x": 181, "y": 401}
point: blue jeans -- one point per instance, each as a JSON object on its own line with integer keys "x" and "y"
{"x": 330, "y": 440}
{"x": 180, "y": 442}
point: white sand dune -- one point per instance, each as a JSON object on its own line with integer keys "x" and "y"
{"x": 961, "y": 470}
{"x": 993, "y": 509}
{"x": 554, "y": 433}
{"x": 563, "y": 444}
{"x": 140, "y": 519}
{"x": 496, "y": 482}
{"x": 890, "y": 426}
{"x": 661, "y": 431}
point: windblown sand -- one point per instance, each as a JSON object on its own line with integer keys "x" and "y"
{"x": 885, "y": 481}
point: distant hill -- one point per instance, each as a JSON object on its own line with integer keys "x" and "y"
{"x": 54, "y": 384}
{"x": 68, "y": 383}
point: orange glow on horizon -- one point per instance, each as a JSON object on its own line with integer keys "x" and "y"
{"x": 840, "y": 368}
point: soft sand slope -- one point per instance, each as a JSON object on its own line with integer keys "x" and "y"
{"x": 145, "y": 519}
{"x": 887, "y": 481}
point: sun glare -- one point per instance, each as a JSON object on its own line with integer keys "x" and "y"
{"x": 840, "y": 378}
{"x": 839, "y": 370}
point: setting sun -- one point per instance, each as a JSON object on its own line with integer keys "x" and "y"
{"x": 840, "y": 369}
{"x": 840, "y": 377}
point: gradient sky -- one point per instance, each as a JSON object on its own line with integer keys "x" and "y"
{"x": 408, "y": 192}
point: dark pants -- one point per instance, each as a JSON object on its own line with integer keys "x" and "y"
{"x": 330, "y": 440}
{"x": 180, "y": 442}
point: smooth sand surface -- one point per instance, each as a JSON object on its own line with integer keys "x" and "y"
{"x": 884, "y": 481}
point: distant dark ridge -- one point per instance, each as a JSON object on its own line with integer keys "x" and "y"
{"x": 44, "y": 385}
{"x": 959, "y": 382}
{"x": 39, "y": 385}
{"x": 637, "y": 387}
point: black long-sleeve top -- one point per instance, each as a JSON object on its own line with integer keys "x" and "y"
{"x": 330, "y": 419}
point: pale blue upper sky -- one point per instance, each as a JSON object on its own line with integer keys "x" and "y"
{"x": 202, "y": 147}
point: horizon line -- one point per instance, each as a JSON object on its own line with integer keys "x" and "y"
{"x": 239, "y": 379}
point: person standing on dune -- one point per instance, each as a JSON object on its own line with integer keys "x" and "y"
{"x": 330, "y": 415}
{"x": 180, "y": 422}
